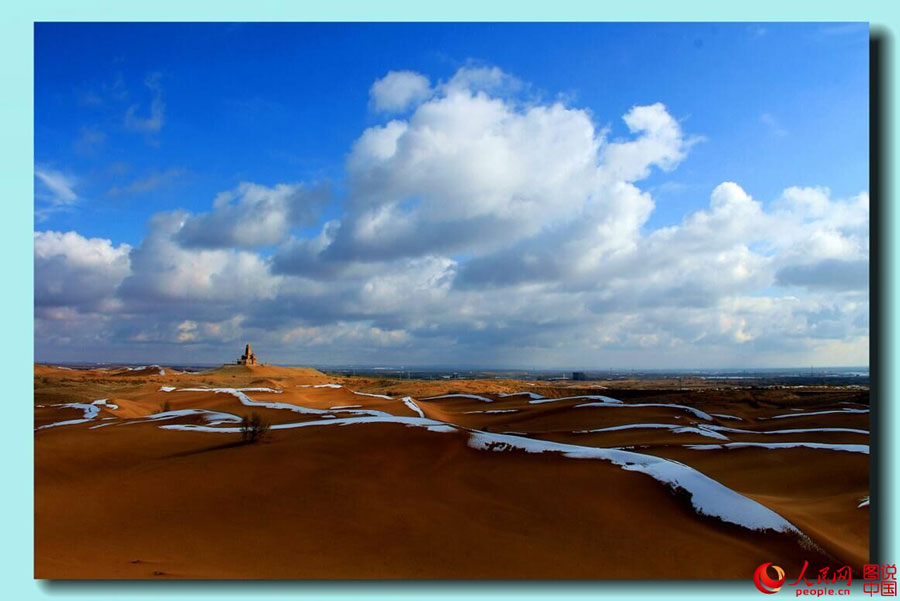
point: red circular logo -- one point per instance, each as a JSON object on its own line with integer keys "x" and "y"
{"x": 764, "y": 583}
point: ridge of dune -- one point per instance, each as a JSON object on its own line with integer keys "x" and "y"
{"x": 708, "y": 496}
{"x": 263, "y": 371}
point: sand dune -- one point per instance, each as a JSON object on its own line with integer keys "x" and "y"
{"x": 366, "y": 478}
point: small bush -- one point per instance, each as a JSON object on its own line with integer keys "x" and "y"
{"x": 253, "y": 428}
{"x": 165, "y": 407}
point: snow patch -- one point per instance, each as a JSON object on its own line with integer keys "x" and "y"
{"x": 533, "y": 395}
{"x": 846, "y": 410}
{"x": 708, "y": 496}
{"x": 91, "y": 411}
{"x": 433, "y": 425}
{"x": 793, "y": 431}
{"x": 674, "y": 428}
{"x": 592, "y": 397}
{"x": 726, "y": 416}
{"x": 211, "y": 417}
{"x": 377, "y": 396}
{"x": 696, "y": 412}
{"x": 409, "y": 402}
{"x": 459, "y": 396}
{"x": 239, "y": 393}
{"x": 319, "y": 386}
{"x": 850, "y": 448}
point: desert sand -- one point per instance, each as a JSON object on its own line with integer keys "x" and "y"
{"x": 141, "y": 473}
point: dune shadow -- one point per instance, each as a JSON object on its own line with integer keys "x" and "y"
{"x": 218, "y": 447}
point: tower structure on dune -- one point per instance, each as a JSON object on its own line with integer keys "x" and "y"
{"x": 248, "y": 358}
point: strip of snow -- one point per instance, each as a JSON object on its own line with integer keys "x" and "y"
{"x": 697, "y": 412}
{"x": 409, "y": 402}
{"x": 166, "y": 388}
{"x": 863, "y": 503}
{"x": 91, "y": 411}
{"x": 443, "y": 428}
{"x": 162, "y": 372}
{"x": 674, "y": 428}
{"x": 460, "y": 396}
{"x": 244, "y": 399}
{"x": 593, "y": 397}
{"x": 319, "y": 386}
{"x": 793, "y": 431}
{"x": 430, "y": 424}
{"x": 726, "y": 416}
{"x": 211, "y": 417}
{"x": 850, "y": 448}
{"x": 782, "y": 416}
{"x": 708, "y": 496}
{"x": 377, "y": 396}
{"x": 346, "y": 406}
{"x": 533, "y": 395}
{"x": 494, "y": 411}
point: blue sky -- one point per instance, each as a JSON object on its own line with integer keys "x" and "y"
{"x": 140, "y": 127}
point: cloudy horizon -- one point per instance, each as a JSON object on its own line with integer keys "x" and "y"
{"x": 467, "y": 213}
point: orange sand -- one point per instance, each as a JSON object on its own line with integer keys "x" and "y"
{"x": 384, "y": 500}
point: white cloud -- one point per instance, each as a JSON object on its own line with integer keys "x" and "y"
{"x": 483, "y": 79}
{"x": 252, "y": 216}
{"x": 398, "y": 90}
{"x": 153, "y": 122}
{"x": 468, "y": 172}
{"x": 481, "y": 228}
{"x": 54, "y": 191}
{"x": 77, "y": 272}
{"x": 661, "y": 144}
{"x": 164, "y": 271}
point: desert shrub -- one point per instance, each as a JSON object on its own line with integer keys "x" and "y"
{"x": 165, "y": 407}
{"x": 253, "y": 428}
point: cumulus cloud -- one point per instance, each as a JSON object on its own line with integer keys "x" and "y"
{"x": 398, "y": 90}
{"x": 77, "y": 272}
{"x": 253, "y": 216}
{"x": 163, "y": 271}
{"x": 660, "y": 143}
{"x": 481, "y": 228}
{"x": 828, "y": 274}
{"x": 469, "y": 172}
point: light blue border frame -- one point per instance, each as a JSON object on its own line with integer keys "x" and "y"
{"x": 16, "y": 180}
